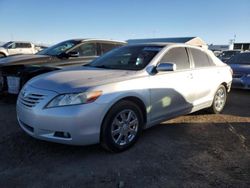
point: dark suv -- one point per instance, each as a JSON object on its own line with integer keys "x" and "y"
{"x": 15, "y": 71}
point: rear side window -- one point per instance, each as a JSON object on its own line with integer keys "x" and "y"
{"x": 26, "y": 45}
{"x": 200, "y": 58}
{"x": 178, "y": 56}
{"x": 105, "y": 47}
{"x": 87, "y": 49}
{"x": 23, "y": 45}
{"x": 18, "y": 45}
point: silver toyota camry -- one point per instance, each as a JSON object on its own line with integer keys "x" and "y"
{"x": 111, "y": 100}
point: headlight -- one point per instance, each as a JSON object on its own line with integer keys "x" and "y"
{"x": 74, "y": 99}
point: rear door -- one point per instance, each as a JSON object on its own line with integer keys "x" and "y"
{"x": 205, "y": 75}
{"x": 172, "y": 93}
{"x": 26, "y": 48}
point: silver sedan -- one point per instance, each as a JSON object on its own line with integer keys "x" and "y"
{"x": 111, "y": 100}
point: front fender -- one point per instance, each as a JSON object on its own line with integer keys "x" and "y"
{"x": 110, "y": 99}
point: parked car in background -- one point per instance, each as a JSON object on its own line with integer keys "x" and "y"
{"x": 40, "y": 47}
{"x": 240, "y": 64}
{"x": 227, "y": 54}
{"x": 15, "y": 71}
{"x": 17, "y": 47}
{"x": 111, "y": 100}
{"x": 217, "y": 53}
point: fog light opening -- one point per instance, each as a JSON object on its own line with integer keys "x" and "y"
{"x": 62, "y": 134}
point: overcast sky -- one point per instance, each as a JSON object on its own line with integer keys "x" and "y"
{"x": 52, "y": 21}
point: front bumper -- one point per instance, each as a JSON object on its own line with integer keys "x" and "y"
{"x": 75, "y": 125}
{"x": 241, "y": 82}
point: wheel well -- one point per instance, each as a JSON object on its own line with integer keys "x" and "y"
{"x": 225, "y": 85}
{"x": 3, "y": 53}
{"x": 138, "y": 102}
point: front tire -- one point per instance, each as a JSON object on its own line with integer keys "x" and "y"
{"x": 219, "y": 101}
{"x": 122, "y": 126}
{"x": 2, "y": 55}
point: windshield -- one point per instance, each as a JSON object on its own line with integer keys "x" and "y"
{"x": 58, "y": 49}
{"x": 243, "y": 58}
{"x": 7, "y": 44}
{"x": 127, "y": 58}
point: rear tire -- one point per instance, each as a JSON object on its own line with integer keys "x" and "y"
{"x": 219, "y": 101}
{"x": 122, "y": 126}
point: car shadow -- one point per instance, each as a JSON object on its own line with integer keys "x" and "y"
{"x": 238, "y": 103}
{"x": 174, "y": 153}
{"x": 8, "y": 98}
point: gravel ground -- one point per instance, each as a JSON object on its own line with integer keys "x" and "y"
{"x": 197, "y": 150}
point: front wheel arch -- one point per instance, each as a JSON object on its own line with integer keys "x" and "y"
{"x": 133, "y": 99}
{"x": 2, "y": 53}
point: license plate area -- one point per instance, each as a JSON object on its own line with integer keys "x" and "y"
{"x": 13, "y": 84}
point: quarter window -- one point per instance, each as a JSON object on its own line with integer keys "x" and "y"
{"x": 178, "y": 56}
{"x": 200, "y": 58}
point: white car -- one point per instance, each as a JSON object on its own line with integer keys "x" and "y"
{"x": 16, "y": 47}
{"x": 111, "y": 100}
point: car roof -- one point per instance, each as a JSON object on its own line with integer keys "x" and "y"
{"x": 98, "y": 40}
{"x": 20, "y": 41}
{"x": 193, "y": 41}
{"x": 167, "y": 44}
{"x": 236, "y": 50}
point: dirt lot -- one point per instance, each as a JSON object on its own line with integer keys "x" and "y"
{"x": 190, "y": 151}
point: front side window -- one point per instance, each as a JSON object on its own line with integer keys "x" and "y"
{"x": 88, "y": 49}
{"x": 177, "y": 56}
{"x": 12, "y": 46}
{"x": 127, "y": 57}
{"x": 59, "y": 48}
{"x": 200, "y": 58}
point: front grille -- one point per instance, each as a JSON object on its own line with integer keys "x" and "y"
{"x": 30, "y": 100}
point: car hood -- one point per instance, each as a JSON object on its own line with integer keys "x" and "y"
{"x": 240, "y": 68}
{"x": 78, "y": 79}
{"x": 24, "y": 60}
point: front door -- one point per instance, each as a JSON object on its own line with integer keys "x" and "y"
{"x": 172, "y": 92}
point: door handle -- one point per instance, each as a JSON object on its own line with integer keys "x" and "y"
{"x": 190, "y": 76}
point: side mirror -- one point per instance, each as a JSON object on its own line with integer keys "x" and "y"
{"x": 73, "y": 54}
{"x": 163, "y": 67}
